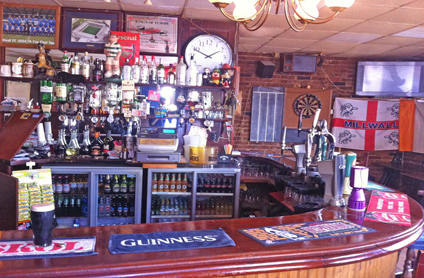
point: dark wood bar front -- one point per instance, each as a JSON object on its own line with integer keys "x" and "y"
{"x": 364, "y": 255}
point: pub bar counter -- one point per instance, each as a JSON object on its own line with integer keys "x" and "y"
{"x": 365, "y": 255}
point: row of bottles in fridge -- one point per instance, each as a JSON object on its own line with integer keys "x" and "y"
{"x": 116, "y": 184}
{"x": 171, "y": 206}
{"x": 116, "y": 206}
{"x": 215, "y": 206}
{"x": 70, "y": 184}
{"x": 215, "y": 183}
{"x": 71, "y": 205}
{"x": 167, "y": 182}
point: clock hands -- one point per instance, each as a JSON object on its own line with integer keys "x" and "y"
{"x": 210, "y": 56}
{"x": 201, "y": 52}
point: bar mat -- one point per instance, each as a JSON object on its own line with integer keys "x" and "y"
{"x": 390, "y": 208}
{"x": 375, "y": 186}
{"x": 282, "y": 234}
{"x": 170, "y": 241}
{"x": 62, "y": 247}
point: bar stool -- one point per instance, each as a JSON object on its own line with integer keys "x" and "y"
{"x": 410, "y": 254}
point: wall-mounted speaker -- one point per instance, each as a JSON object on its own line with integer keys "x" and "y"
{"x": 298, "y": 63}
{"x": 265, "y": 69}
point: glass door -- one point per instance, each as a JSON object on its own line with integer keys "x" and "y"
{"x": 118, "y": 195}
{"x": 215, "y": 195}
{"x": 170, "y": 195}
{"x": 71, "y": 188}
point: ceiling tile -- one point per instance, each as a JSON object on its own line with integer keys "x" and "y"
{"x": 33, "y": 2}
{"x": 254, "y": 40}
{"x": 306, "y": 34}
{"x": 382, "y": 28}
{"x": 194, "y": 13}
{"x": 372, "y": 48}
{"x": 334, "y": 47}
{"x": 401, "y": 41}
{"x": 394, "y": 3}
{"x": 402, "y": 15}
{"x": 152, "y": 9}
{"x": 352, "y": 55}
{"x": 416, "y": 4}
{"x": 336, "y": 24}
{"x": 406, "y": 51}
{"x": 417, "y": 32}
{"x": 279, "y": 42}
{"x": 248, "y": 47}
{"x": 352, "y": 37}
{"x": 269, "y": 32}
{"x": 276, "y": 49}
{"x": 84, "y": 4}
{"x": 364, "y": 11}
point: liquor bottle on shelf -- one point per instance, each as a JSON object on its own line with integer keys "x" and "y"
{"x": 191, "y": 75}
{"x": 61, "y": 92}
{"x": 76, "y": 65}
{"x": 107, "y": 185}
{"x": 160, "y": 184}
{"x": 161, "y": 73}
{"x": 73, "y": 147}
{"x": 153, "y": 72}
{"x": 97, "y": 73}
{"x": 126, "y": 70}
{"x": 61, "y": 146}
{"x": 64, "y": 65}
{"x": 92, "y": 66}
{"x": 136, "y": 71}
{"x": 155, "y": 183}
{"x": 46, "y": 90}
{"x": 85, "y": 146}
{"x": 124, "y": 184}
{"x": 115, "y": 184}
{"x": 70, "y": 92}
{"x": 85, "y": 67}
{"x": 108, "y": 142}
{"x": 97, "y": 145}
{"x": 170, "y": 77}
{"x": 181, "y": 72}
{"x": 144, "y": 75}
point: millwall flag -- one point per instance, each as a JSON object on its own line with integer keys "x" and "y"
{"x": 366, "y": 124}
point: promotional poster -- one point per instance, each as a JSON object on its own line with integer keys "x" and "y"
{"x": 130, "y": 46}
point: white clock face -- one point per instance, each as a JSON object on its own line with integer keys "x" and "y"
{"x": 209, "y": 52}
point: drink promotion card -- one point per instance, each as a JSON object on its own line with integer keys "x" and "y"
{"x": 130, "y": 46}
{"x": 391, "y": 208}
{"x": 35, "y": 187}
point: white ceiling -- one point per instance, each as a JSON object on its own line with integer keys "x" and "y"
{"x": 370, "y": 28}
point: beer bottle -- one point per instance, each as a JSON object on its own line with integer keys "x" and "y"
{"x": 230, "y": 185}
{"x": 85, "y": 184}
{"x": 80, "y": 185}
{"x": 184, "y": 185}
{"x": 166, "y": 183}
{"x": 107, "y": 206}
{"x": 172, "y": 185}
{"x": 124, "y": 185}
{"x": 131, "y": 185}
{"x": 101, "y": 207}
{"x": 131, "y": 205}
{"x": 73, "y": 185}
{"x": 78, "y": 207}
{"x": 65, "y": 206}
{"x": 66, "y": 186}
{"x": 155, "y": 183}
{"x": 107, "y": 186}
{"x": 113, "y": 208}
{"x": 72, "y": 206}
{"x": 101, "y": 185}
{"x": 119, "y": 209}
{"x": 178, "y": 183}
{"x": 115, "y": 186}
{"x": 125, "y": 209}
{"x": 161, "y": 181}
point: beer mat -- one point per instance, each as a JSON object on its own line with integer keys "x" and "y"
{"x": 169, "y": 241}
{"x": 282, "y": 234}
{"x": 61, "y": 247}
{"x": 391, "y": 208}
{"x": 374, "y": 186}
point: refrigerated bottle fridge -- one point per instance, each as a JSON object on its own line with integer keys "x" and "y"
{"x": 97, "y": 196}
{"x": 186, "y": 194}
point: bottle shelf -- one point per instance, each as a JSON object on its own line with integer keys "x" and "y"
{"x": 213, "y": 216}
{"x": 214, "y": 194}
{"x": 169, "y": 216}
{"x": 172, "y": 193}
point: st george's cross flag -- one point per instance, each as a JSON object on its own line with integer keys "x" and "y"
{"x": 366, "y": 124}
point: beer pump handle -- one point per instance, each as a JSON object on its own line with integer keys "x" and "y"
{"x": 317, "y": 112}
{"x": 283, "y": 142}
{"x": 299, "y": 124}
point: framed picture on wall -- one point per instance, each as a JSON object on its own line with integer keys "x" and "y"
{"x": 27, "y": 25}
{"x": 158, "y": 34}
{"x": 87, "y": 30}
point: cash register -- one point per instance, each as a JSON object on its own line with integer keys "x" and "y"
{"x": 158, "y": 144}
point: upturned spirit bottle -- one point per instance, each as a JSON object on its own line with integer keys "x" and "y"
{"x": 161, "y": 73}
{"x": 153, "y": 72}
{"x": 85, "y": 147}
{"x": 46, "y": 89}
{"x": 181, "y": 72}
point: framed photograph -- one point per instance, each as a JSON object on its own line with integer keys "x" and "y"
{"x": 87, "y": 30}
{"x": 158, "y": 34}
{"x": 27, "y": 25}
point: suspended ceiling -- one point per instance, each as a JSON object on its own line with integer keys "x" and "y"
{"x": 370, "y": 28}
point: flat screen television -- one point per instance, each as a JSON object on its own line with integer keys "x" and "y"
{"x": 397, "y": 79}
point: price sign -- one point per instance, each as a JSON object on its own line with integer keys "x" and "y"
{"x": 128, "y": 114}
{"x": 128, "y": 85}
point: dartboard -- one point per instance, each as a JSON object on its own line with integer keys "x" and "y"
{"x": 309, "y": 102}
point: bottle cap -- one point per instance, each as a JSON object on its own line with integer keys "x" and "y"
{"x": 97, "y": 134}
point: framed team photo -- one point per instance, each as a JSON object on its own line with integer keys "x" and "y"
{"x": 88, "y": 29}
{"x": 27, "y": 25}
{"x": 158, "y": 34}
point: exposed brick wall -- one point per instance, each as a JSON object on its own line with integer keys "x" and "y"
{"x": 338, "y": 69}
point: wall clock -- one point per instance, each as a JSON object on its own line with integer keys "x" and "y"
{"x": 210, "y": 51}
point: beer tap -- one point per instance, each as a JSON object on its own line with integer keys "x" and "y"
{"x": 312, "y": 132}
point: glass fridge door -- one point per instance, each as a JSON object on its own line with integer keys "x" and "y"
{"x": 170, "y": 195}
{"x": 72, "y": 191}
{"x": 217, "y": 194}
{"x": 118, "y": 195}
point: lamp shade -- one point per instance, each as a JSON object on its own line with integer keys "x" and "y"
{"x": 339, "y": 5}
{"x": 307, "y": 9}
{"x": 221, "y": 3}
{"x": 244, "y": 9}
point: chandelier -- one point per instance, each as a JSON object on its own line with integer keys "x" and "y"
{"x": 254, "y": 13}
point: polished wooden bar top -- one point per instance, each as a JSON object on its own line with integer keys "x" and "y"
{"x": 246, "y": 257}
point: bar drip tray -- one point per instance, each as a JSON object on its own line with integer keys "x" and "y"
{"x": 158, "y": 157}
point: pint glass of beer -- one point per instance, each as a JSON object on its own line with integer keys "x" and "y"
{"x": 42, "y": 216}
